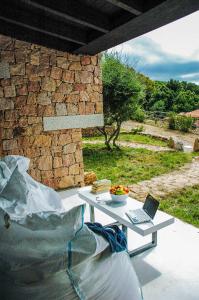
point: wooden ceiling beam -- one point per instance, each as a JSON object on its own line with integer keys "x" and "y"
{"x": 168, "y": 11}
{"x": 42, "y": 24}
{"x": 133, "y": 6}
{"x": 28, "y": 35}
{"x": 72, "y": 10}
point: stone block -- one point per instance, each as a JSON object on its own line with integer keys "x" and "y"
{"x": 5, "y": 82}
{"x": 44, "y": 98}
{"x": 78, "y": 156}
{"x": 82, "y": 108}
{"x": 32, "y": 98}
{"x": 85, "y": 60}
{"x": 45, "y": 163}
{"x": 66, "y": 182}
{"x": 68, "y": 76}
{"x": 68, "y": 160}
{"x": 65, "y": 88}
{"x": 72, "y": 109}
{"x": 73, "y": 57}
{"x": 90, "y": 108}
{"x": 57, "y": 162}
{"x": 60, "y": 172}
{"x": 35, "y": 173}
{"x": 76, "y": 66}
{"x": 99, "y": 107}
{"x": 62, "y": 62}
{"x": 47, "y": 174}
{"x": 196, "y": 145}
{"x": 7, "y": 133}
{"x": 86, "y": 77}
{"x": 28, "y": 110}
{"x": 94, "y": 60}
{"x": 73, "y": 98}
{"x": 70, "y": 148}
{"x": 6, "y": 104}
{"x": 9, "y": 144}
{"x": 79, "y": 87}
{"x": 33, "y": 86}
{"x": 17, "y": 69}
{"x": 43, "y": 141}
{"x": 1, "y": 92}
{"x": 84, "y": 96}
{"x": 35, "y": 58}
{"x": 22, "y": 90}
{"x": 74, "y": 169}
{"x": 61, "y": 109}
{"x": 48, "y": 84}
{"x": 9, "y": 91}
{"x": 56, "y": 73}
{"x": 8, "y": 56}
{"x": 64, "y": 139}
{"x": 58, "y": 97}
{"x": 48, "y": 111}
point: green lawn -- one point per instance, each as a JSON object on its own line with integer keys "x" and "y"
{"x": 130, "y": 165}
{"x": 183, "y": 205}
{"x": 130, "y": 137}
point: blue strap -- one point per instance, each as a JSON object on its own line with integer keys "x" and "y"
{"x": 112, "y": 234}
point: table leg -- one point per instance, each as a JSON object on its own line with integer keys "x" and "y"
{"x": 145, "y": 247}
{"x": 92, "y": 213}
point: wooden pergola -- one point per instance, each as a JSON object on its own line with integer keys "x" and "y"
{"x": 87, "y": 26}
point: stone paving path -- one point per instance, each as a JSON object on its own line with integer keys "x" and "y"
{"x": 134, "y": 145}
{"x": 160, "y": 186}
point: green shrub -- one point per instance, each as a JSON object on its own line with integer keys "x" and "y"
{"x": 172, "y": 121}
{"x": 137, "y": 130}
{"x": 139, "y": 115}
{"x": 184, "y": 123}
{"x": 180, "y": 122}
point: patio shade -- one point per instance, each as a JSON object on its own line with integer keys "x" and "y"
{"x": 87, "y": 26}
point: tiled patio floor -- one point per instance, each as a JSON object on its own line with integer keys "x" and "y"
{"x": 171, "y": 270}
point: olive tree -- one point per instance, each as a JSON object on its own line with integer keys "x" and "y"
{"x": 121, "y": 91}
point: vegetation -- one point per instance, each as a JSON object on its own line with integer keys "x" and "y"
{"x": 134, "y": 138}
{"x": 170, "y": 96}
{"x": 121, "y": 90}
{"x": 130, "y": 165}
{"x": 180, "y": 122}
{"x": 183, "y": 205}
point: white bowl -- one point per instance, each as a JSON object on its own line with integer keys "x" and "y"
{"x": 119, "y": 198}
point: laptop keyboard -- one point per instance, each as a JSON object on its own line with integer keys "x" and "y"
{"x": 138, "y": 216}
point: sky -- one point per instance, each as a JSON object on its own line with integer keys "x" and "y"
{"x": 171, "y": 51}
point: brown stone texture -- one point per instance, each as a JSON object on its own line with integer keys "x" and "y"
{"x": 44, "y": 82}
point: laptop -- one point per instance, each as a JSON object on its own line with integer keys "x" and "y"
{"x": 145, "y": 214}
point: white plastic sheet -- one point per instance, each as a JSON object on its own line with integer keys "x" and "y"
{"x": 46, "y": 251}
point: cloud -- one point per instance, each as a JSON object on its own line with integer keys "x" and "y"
{"x": 147, "y": 57}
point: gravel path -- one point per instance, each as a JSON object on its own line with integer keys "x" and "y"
{"x": 160, "y": 186}
{"x": 187, "y": 138}
{"x": 133, "y": 145}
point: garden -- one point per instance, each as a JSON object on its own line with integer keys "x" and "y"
{"x": 127, "y": 157}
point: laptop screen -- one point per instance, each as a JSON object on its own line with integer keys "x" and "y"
{"x": 150, "y": 206}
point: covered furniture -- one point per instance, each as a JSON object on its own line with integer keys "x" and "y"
{"x": 46, "y": 250}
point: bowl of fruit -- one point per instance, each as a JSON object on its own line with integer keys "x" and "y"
{"x": 119, "y": 193}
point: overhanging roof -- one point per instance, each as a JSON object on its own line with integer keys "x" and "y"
{"x": 87, "y": 26}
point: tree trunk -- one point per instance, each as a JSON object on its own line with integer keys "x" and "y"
{"x": 116, "y": 135}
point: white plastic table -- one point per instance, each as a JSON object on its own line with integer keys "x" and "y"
{"x": 103, "y": 203}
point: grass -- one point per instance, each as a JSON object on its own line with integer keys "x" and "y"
{"x": 130, "y": 165}
{"x": 136, "y": 138}
{"x": 183, "y": 205}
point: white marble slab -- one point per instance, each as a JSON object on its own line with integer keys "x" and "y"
{"x": 69, "y": 122}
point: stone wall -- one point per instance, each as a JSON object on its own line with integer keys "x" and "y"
{"x": 37, "y": 82}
